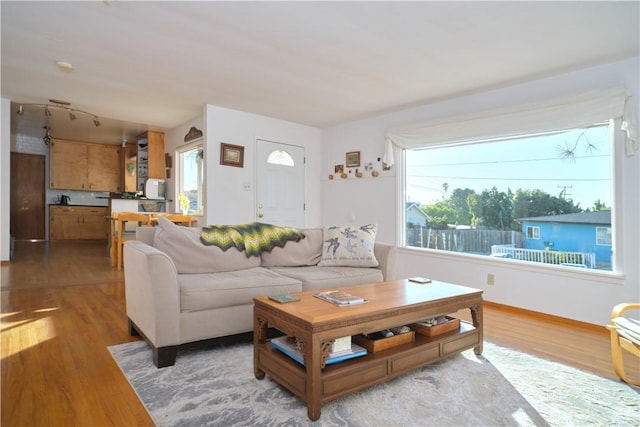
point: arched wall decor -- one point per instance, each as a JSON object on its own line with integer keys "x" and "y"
{"x": 193, "y": 133}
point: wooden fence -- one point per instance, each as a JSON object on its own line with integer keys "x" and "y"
{"x": 468, "y": 241}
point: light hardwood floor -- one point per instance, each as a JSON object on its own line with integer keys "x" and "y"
{"x": 62, "y": 305}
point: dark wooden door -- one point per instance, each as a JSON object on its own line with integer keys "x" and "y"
{"x": 28, "y": 196}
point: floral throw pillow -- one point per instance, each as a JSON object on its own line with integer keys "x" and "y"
{"x": 350, "y": 246}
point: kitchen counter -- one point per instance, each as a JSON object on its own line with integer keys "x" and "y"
{"x": 79, "y": 205}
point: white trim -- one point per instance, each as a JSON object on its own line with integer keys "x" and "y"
{"x": 607, "y": 277}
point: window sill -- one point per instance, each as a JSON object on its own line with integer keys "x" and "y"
{"x": 609, "y": 277}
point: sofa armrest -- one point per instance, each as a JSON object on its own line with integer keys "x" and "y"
{"x": 152, "y": 294}
{"x": 386, "y": 256}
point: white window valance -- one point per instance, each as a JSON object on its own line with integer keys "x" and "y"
{"x": 575, "y": 111}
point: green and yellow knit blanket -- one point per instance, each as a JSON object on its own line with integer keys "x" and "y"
{"x": 253, "y": 238}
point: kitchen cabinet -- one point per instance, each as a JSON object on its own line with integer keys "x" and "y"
{"x": 84, "y": 166}
{"x": 103, "y": 171}
{"x": 150, "y": 159}
{"x": 130, "y": 167}
{"x": 78, "y": 222}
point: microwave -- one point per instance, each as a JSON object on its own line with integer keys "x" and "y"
{"x": 154, "y": 188}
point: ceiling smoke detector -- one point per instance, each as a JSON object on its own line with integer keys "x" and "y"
{"x": 65, "y": 67}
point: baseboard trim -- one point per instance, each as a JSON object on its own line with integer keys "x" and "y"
{"x": 601, "y": 329}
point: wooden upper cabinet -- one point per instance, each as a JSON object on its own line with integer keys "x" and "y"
{"x": 68, "y": 165}
{"x": 104, "y": 167}
{"x": 155, "y": 149}
{"x": 83, "y": 166}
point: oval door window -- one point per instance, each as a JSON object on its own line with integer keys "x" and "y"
{"x": 280, "y": 157}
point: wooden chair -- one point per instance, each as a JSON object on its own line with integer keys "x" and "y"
{"x": 625, "y": 335}
{"x": 177, "y": 218}
{"x": 120, "y": 234}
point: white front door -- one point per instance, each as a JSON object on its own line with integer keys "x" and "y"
{"x": 280, "y": 184}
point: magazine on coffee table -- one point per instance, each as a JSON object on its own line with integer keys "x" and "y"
{"x": 285, "y": 345}
{"x": 340, "y": 298}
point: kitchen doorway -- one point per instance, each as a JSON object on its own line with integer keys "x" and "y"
{"x": 28, "y": 194}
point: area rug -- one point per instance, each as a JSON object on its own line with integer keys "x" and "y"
{"x": 503, "y": 387}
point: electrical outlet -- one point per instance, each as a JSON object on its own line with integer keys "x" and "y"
{"x": 491, "y": 279}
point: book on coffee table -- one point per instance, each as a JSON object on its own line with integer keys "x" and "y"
{"x": 340, "y": 298}
{"x": 421, "y": 280}
{"x": 284, "y": 298}
{"x": 289, "y": 348}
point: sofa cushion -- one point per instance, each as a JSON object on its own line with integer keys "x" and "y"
{"x": 231, "y": 288}
{"x": 304, "y": 252}
{"x": 316, "y": 277}
{"x": 183, "y": 246}
{"x": 350, "y": 246}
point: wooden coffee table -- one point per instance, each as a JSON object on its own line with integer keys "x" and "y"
{"x": 316, "y": 324}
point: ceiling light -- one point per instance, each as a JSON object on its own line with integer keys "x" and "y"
{"x": 47, "y": 136}
{"x": 61, "y": 105}
{"x": 64, "y": 66}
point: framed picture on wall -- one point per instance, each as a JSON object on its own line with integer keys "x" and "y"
{"x": 353, "y": 159}
{"x": 231, "y": 155}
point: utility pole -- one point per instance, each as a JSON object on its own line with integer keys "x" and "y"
{"x": 564, "y": 190}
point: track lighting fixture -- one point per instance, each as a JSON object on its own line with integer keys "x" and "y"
{"x": 47, "y": 136}
{"x": 62, "y": 105}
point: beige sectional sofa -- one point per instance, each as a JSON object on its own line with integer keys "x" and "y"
{"x": 180, "y": 291}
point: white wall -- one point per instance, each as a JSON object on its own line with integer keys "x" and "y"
{"x": 5, "y": 177}
{"x": 227, "y": 202}
{"x": 584, "y": 297}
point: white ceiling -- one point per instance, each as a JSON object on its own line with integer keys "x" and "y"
{"x": 315, "y": 63}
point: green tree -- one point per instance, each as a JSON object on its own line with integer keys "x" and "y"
{"x": 492, "y": 209}
{"x": 598, "y": 205}
{"x": 440, "y": 215}
{"x": 459, "y": 203}
{"x": 532, "y": 203}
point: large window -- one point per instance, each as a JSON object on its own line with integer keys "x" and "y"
{"x": 190, "y": 179}
{"x": 543, "y": 198}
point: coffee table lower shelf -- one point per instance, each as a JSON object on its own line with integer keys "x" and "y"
{"x": 362, "y": 372}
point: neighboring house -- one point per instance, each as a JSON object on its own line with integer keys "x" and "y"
{"x": 415, "y": 215}
{"x": 576, "y": 232}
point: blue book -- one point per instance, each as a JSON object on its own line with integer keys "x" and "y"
{"x": 284, "y": 345}
{"x": 284, "y": 298}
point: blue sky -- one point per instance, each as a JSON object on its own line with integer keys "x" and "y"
{"x": 527, "y": 163}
